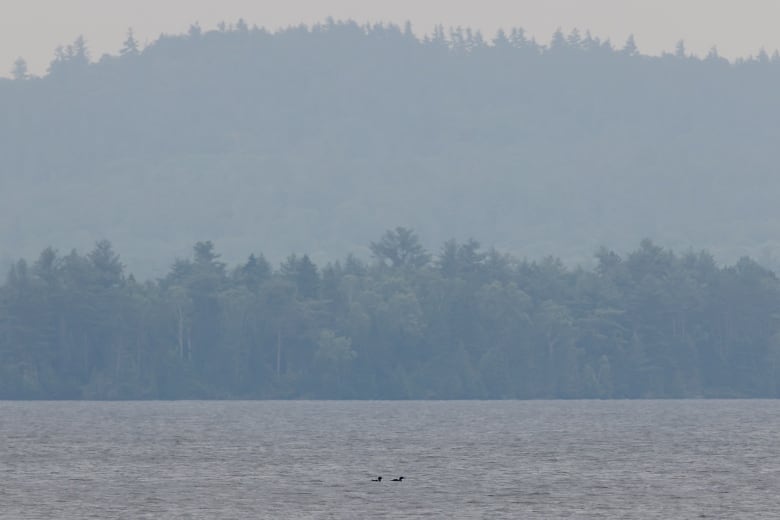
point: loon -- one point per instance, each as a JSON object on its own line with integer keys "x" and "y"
{"x": 399, "y": 479}
{"x": 378, "y": 479}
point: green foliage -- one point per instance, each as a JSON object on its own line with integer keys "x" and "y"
{"x": 472, "y": 324}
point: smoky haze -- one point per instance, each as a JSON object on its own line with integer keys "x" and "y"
{"x": 317, "y": 139}
{"x": 34, "y": 28}
{"x": 350, "y": 211}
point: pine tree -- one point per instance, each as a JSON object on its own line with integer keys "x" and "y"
{"x": 130, "y": 45}
{"x": 19, "y": 71}
{"x": 630, "y": 48}
{"x": 679, "y": 50}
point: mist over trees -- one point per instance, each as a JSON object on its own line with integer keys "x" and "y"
{"x": 463, "y": 322}
{"x": 317, "y": 138}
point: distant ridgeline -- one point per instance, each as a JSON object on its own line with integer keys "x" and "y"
{"x": 466, "y": 323}
{"x": 313, "y": 139}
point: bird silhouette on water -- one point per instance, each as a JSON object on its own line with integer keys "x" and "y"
{"x": 399, "y": 479}
{"x": 378, "y": 479}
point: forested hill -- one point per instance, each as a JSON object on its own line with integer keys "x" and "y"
{"x": 462, "y": 323}
{"x": 318, "y": 138}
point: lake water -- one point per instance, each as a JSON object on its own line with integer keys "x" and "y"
{"x": 464, "y": 459}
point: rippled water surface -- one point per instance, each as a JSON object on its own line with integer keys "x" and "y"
{"x": 509, "y": 459}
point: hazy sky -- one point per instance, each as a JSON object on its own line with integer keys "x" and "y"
{"x": 33, "y": 28}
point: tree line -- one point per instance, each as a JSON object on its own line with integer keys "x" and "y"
{"x": 538, "y": 148}
{"x": 462, "y": 323}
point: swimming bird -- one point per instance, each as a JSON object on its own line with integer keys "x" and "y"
{"x": 399, "y": 479}
{"x": 378, "y": 479}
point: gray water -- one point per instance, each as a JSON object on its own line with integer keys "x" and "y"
{"x": 490, "y": 459}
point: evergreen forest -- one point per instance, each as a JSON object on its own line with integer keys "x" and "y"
{"x": 464, "y": 322}
{"x": 318, "y": 138}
